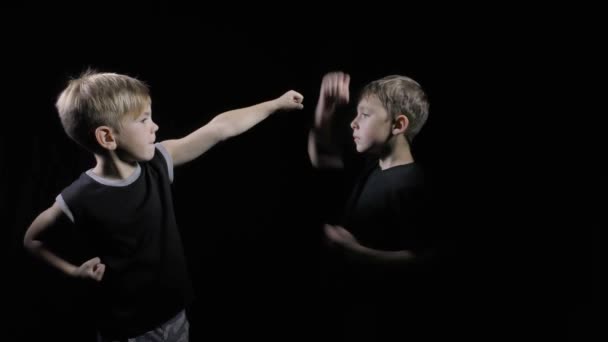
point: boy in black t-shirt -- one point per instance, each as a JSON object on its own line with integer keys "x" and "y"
{"x": 379, "y": 247}
{"x": 123, "y": 206}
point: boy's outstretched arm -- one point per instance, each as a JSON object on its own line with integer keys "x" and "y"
{"x": 92, "y": 269}
{"x": 227, "y": 125}
{"x": 334, "y": 91}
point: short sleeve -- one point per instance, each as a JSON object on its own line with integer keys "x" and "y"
{"x": 168, "y": 160}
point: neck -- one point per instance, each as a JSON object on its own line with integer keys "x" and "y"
{"x": 398, "y": 153}
{"x": 112, "y": 167}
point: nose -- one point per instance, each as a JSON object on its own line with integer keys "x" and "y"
{"x": 154, "y": 127}
{"x": 354, "y": 124}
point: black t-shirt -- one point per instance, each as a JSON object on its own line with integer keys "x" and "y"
{"x": 130, "y": 224}
{"x": 387, "y": 210}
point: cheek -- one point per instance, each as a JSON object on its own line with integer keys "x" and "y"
{"x": 370, "y": 130}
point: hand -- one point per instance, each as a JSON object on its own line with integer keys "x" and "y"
{"x": 290, "y": 100}
{"x": 334, "y": 91}
{"x": 337, "y": 235}
{"x": 91, "y": 269}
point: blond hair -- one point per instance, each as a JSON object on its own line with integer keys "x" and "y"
{"x": 401, "y": 95}
{"x": 99, "y": 99}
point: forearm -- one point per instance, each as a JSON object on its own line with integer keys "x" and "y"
{"x": 322, "y": 125}
{"x": 38, "y": 249}
{"x": 34, "y": 245}
{"x": 222, "y": 127}
{"x": 238, "y": 121}
{"x": 322, "y": 149}
{"x": 321, "y": 154}
{"x": 363, "y": 254}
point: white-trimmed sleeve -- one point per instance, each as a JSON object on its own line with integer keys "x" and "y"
{"x": 168, "y": 159}
{"x": 64, "y": 207}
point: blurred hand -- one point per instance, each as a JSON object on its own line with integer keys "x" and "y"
{"x": 334, "y": 91}
{"x": 337, "y": 235}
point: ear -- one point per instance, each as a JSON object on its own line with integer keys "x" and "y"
{"x": 400, "y": 124}
{"x": 105, "y": 137}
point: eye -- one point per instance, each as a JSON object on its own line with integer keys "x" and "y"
{"x": 144, "y": 120}
{"x": 365, "y": 115}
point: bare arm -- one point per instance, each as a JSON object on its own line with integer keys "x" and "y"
{"x": 227, "y": 125}
{"x": 341, "y": 238}
{"x": 321, "y": 149}
{"x": 93, "y": 268}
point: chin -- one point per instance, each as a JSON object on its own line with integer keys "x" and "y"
{"x": 148, "y": 156}
{"x": 362, "y": 149}
{"x": 370, "y": 150}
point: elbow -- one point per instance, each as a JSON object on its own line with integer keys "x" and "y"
{"x": 30, "y": 245}
{"x": 321, "y": 159}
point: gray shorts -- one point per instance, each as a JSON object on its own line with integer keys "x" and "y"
{"x": 174, "y": 330}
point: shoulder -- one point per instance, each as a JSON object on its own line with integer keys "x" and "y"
{"x": 72, "y": 196}
{"x": 407, "y": 181}
{"x": 162, "y": 161}
{"x": 82, "y": 185}
{"x": 404, "y": 176}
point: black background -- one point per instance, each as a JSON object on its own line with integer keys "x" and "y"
{"x": 518, "y": 217}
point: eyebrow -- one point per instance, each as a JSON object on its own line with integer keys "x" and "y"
{"x": 364, "y": 109}
{"x": 144, "y": 114}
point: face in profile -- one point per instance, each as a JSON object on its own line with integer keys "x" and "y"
{"x": 137, "y": 136}
{"x": 371, "y": 126}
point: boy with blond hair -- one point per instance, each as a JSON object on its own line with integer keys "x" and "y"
{"x": 382, "y": 237}
{"x": 124, "y": 208}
